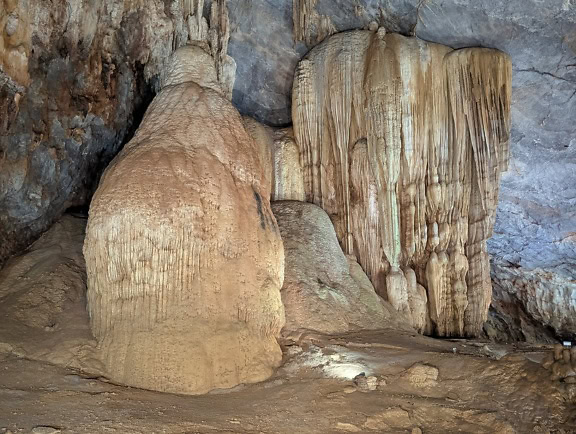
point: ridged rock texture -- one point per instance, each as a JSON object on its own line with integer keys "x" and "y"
{"x": 402, "y": 143}
{"x": 184, "y": 257}
{"x": 287, "y": 175}
{"x": 280, "y": 156}
{"x": 76, "y": 76}
{"x": 533, "y": 246}
{"x": 325, "y": 291}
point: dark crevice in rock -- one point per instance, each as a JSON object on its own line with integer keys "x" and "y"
{"x": 544, "y": 73}
{"x": 418, "y": 8}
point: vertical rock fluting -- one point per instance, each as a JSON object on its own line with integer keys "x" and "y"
{"x": 280, "y": 156}
{"x": 309, "y": 26}
{"x": 263, "y": 138}
{"x": 184, "y": 257}
{"x": 480, "y": 89}
{"x": 214, "y": 36}
{"x": 219, "y": 34}
{"x": 402, "y": 142}
{"x": 287, "y": 181}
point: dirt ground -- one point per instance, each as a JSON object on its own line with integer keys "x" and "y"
{"x": 385, "y": 381}
{"x": 420, "y": 385}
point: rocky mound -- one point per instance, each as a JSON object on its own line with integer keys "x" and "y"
{"x": 324, "y": 290}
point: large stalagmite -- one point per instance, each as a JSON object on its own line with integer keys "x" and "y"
{"x": 402, "y": 143}
{"x": 184, "y": 257}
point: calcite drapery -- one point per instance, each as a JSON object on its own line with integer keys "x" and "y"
{"x": 281, "y": 159}
{"x": 402, "y": 143}
{"x": 184, "y": 257}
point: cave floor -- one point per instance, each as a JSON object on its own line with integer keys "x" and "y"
{"x": 438, "y": 386}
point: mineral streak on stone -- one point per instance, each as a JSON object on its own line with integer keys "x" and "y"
{"x": 75, "y": 77}
{"x": 183, "y": 278}
{"x": 310, "y": 26}
{"x": 219, "y": 34}
{"x": 402, "y": 142}
{"x": 280, "y": 158}
{"x": 263, "y": 138}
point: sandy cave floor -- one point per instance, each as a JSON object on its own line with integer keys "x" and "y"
{"x": 438, "y": 386}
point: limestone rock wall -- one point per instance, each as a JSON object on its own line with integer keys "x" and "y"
{"x": 545, "y": 295}
{"x": 74, "y": 79}
{"x": 184, "y": 257}
{"x": 402, "y": 142}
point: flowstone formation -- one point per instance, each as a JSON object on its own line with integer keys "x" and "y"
{"x": 184, "y": 257}
{"x": 325, "y": 291}
{"x": 402, "y": 142}
{"x": 288, "y": 181}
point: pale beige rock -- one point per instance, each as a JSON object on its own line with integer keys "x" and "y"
{"x": 213, "y": 38}
{"x": 348, "y": 427}
{"x": 402, "y": 143}
{"x": 183, "y": 254}
{"x": 421, "y": 375}
{"x": 197, "y": 24}
{"x": 263, "y": 137}
{"x": 558, "y": 349}
{"x": 42, "y": 300}
{"x": 324, "y": 291}
{"x": 191, "y": 63}
{"x": 280, "y": 157}
{"x": 288, "y": 178}
{"x": 479, "y": 84}
{"x": 561, "y": 362}
{"x": 310, "y": 26}
{"x": 45, "y": 430}
{"x": 15, "y": 41}
{"x": 218, "y": 36}
{"x": 366, "y": 384}
{"x": 395, "y": 417}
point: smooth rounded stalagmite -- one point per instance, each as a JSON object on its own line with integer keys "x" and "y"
{"x": 324, "y": 290}
{"x": 183, "y": 254}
